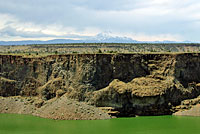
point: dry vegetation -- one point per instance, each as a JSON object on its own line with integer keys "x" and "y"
{"x": 85, "y": 48}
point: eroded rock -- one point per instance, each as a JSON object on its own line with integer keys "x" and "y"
{"x": 134, "y": 84}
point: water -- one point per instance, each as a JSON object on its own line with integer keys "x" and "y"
{"x": 23, "y": 124}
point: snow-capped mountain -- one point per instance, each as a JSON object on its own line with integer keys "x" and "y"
{"x": 99, "y": 38}
{"x": 107, "y": 38}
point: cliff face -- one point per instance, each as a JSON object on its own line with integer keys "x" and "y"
{"x": 134, "y": 84}
{"x": 88, "y": 72}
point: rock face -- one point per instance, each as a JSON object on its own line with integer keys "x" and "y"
{"x": 133, "y": 84}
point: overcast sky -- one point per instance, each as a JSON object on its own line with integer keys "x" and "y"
{"x": 144, "y": 20}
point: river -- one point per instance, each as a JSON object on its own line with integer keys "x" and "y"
{"x": 25, "y": 124}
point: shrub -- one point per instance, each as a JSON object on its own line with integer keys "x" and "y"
{"x": 99, "y": 51}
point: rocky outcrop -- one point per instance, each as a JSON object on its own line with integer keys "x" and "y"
{"x": 143, "y": 96}
{"x": 194, "y": 111}
{"x": 133, "y": 84}
{"x": 189, "y": 107}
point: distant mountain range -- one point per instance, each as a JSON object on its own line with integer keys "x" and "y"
{"x": 99, "y": 38}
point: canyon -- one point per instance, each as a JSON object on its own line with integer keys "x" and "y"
{"x": 137, "y": 84}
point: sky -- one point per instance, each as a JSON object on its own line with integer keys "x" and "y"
{"x": 143, "y": 20}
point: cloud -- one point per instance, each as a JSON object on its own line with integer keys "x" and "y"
{"x": 12, "y": 27}
{"x": 139, "y": 19}
{"x": 9, "y": 31}
{"x": 42, "y": 33}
